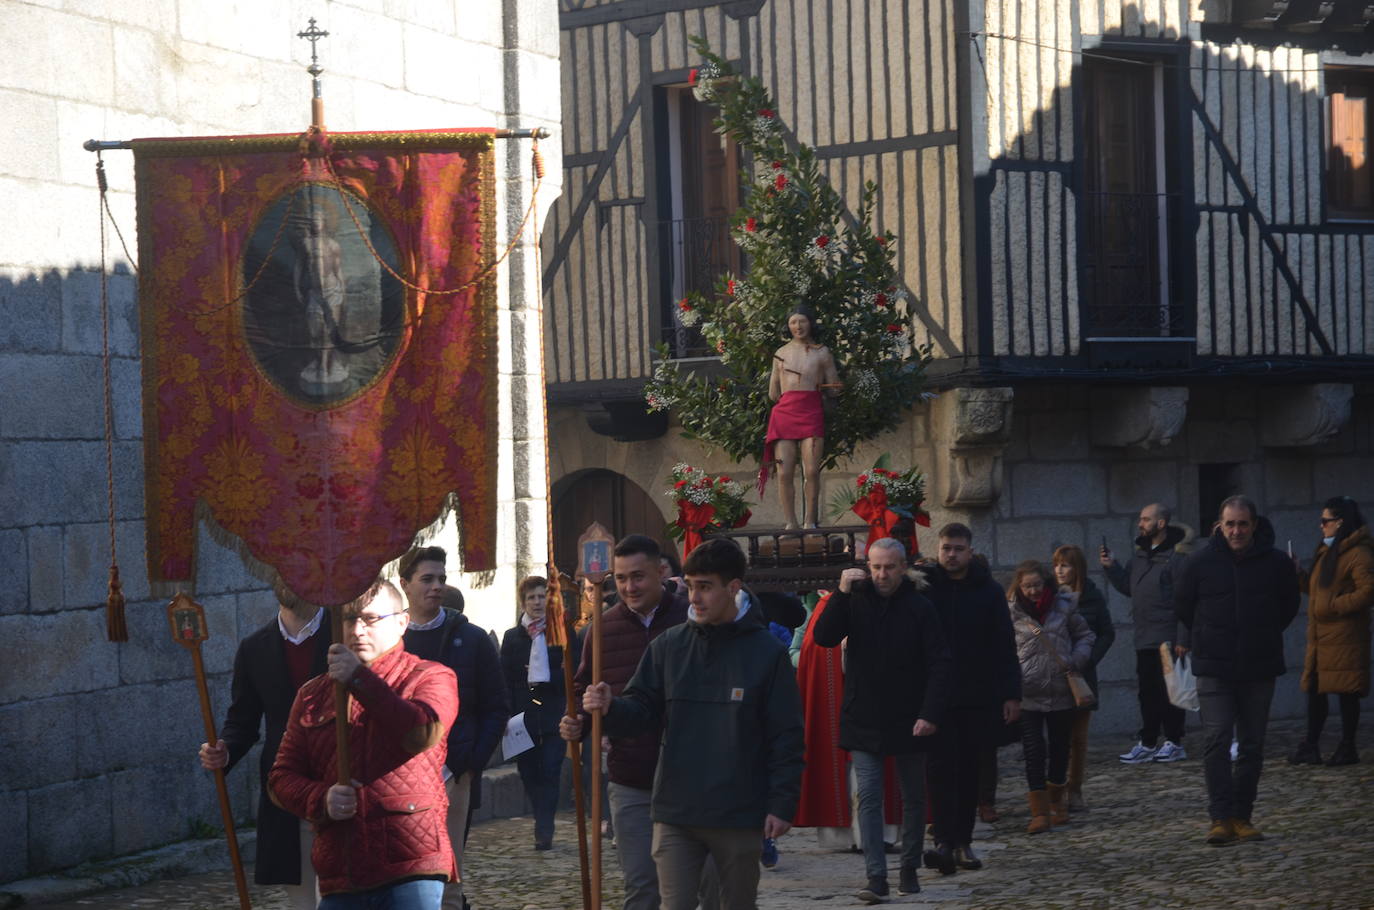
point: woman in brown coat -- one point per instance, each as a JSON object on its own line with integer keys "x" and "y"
{"x": 1340, "y": 592}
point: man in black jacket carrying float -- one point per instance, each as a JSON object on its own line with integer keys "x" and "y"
{"x": 730, "y": 764}
{"x": 1237, "y": 594}
{"x": 897, "y": 684}
{"x": 986, "y": 693}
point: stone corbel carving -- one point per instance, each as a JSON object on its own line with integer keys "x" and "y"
{"x": 973, "y": 427}
{"x": 1141, "y": 416}
{"x": 1305, "y": 415}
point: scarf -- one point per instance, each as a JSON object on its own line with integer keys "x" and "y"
{"x": 539, "y": 650}
{"x": 1040, "y": 609}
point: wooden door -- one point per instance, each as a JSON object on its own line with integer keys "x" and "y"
{"x": 610, "y": 498}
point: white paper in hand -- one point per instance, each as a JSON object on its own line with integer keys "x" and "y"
{"x": 516, "y": 739}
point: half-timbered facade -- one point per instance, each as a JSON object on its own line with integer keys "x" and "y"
{"x": 1138, "y": 234}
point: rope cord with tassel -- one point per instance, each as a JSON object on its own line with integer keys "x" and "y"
{"x": 116, "y": 626}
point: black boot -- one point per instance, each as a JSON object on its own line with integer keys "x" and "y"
{"x": 1306, "y": 754}
{"x": 941, "y": 857}
{"x": 1345, "y": 754}
{"x": 966, "y": 858}
{"x": 908, "y": 884}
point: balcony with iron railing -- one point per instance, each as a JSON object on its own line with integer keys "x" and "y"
{"x": 1126, "y": 258}
{"x": 697, "y": 253}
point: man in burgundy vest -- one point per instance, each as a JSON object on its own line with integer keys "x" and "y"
{"x": 643, "y": 611}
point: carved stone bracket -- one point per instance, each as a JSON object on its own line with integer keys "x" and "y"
{"x": 1305, "y": 415}
{"x": 972, "y": 427}
{"x": 1139, "y": 416}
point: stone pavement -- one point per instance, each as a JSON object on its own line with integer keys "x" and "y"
{"x": 1139, "y": 846}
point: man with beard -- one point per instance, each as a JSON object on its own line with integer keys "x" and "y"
{"x": 987, "y": 691}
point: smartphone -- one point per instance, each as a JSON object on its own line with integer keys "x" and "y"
{"x": 1104, "y": 543}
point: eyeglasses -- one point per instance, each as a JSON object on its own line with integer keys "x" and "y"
{"x": 1327, "y": 521}
{"x": 368, "y": 619}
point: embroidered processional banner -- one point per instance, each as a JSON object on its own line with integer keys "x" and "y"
{"x": 318, "y": 349}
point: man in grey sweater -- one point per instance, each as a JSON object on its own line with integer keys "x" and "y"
{"x": 1149, "y": 582}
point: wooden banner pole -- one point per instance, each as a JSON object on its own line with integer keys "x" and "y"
{"x": 189, "y": 629}
{"x": 596, "y": 762}
{"x": 575, "y": 755}
{"x": 343, "y": 760}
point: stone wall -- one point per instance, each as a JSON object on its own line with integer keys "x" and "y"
{"x": 97, "y": 740}
{"x": 1030, "y": 472}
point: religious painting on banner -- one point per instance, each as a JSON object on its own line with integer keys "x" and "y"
{"x": 318, "y": 349}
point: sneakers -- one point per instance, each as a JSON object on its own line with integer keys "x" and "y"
{"x": 1170, "y": 751}
{"x": 1235, "y": 750}
{"x": 908, "y": 884}
{"x": 1139, "y": 755}
{"x": 874, "y": 892}
{"x": 1245, "y": 831}
{"x": 1221, "y": 833}
{"x": 769, "y": 856}
{"x": 1306, "y": 754}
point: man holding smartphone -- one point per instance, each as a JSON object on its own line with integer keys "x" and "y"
{"x": 897, "y": 686}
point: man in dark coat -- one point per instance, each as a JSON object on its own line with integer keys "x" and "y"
{"x": 1237, "y": 595}
{"x": 897, "y": 683}
{"x": 643, "y": 611}
{"x": 987, "y": 691}
{"x": 445, "y": 635}
{"x": 730, "y": 763}
{"x": 1149, "y": 583}
{"x": 269, "y": 666}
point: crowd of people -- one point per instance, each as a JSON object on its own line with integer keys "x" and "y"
{"x": 912, "y": 674}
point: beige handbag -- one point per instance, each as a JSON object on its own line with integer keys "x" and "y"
{"x": 1083, "y": 696}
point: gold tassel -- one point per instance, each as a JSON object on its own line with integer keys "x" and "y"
{"x": 116, "y": 629}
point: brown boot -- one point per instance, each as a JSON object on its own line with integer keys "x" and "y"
{"x": 1059, "y": 803}
{"x": 988, "y": 813}
{"x": 1039, "y": 802}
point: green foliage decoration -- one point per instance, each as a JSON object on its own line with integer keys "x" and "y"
{"x": 800, "y": 249}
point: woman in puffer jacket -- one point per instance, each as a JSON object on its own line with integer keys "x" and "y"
{"x": 1340, "y": 593}
{"x": 1051, "y": 638}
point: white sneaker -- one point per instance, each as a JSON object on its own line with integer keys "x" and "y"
{"x": 1139, "y": 754}
{"x": 1170, "y": 751}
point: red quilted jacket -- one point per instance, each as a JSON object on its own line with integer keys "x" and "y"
{"x": 400, "y": 710}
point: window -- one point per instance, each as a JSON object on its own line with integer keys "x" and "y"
{"x": 1127, "y": 204}
{"x": 1350, "y": 105}
{"x": 703, "y": 192}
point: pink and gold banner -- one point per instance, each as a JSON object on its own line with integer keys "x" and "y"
{"x": 318, "y": 349}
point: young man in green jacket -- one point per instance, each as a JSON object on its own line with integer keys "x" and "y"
{"x": 729, "y": 769}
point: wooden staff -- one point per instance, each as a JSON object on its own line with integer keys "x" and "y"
{"x": 596, "y": 757}
{"x": 343, "y": 760}
{"x": 187, "y": 619}
{"x": 574, "y": 749}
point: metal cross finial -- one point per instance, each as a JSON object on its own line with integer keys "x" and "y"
{"x": 313, "y": 35}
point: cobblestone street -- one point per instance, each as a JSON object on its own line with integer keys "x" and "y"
{"x": 1139, "y": 846}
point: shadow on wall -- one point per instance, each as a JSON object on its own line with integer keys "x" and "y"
{"x": 97, "y": 757}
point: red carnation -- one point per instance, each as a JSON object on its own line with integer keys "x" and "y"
{"x": 685, "y": 305}
{"x": 730, "y": 287}
{"x": 766, "y": 112}
{"x": 822, "y": 241}
{"x": 781, "y": 181}
{"x": 692, "y": 77}
{"x": 777, "y": 165}
{"x": 720, "y": 348}
{"x": 881, "y": 299}
{"x": 679, "y": 485}
{"x": 894, "y": 328}
{"x": 882, "y": 241}
{"x": 863, "y": 479}
{"x": 724, "y": 478}
{"x": 750, "y": 225}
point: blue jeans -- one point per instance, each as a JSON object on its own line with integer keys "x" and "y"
{"x": 1242, "y": 705}
{"x": 417, "y": 895}
{"x": 541, "y": 769}
{"x": 911, "y": 777}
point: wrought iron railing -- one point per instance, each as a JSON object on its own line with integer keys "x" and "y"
{"x": 1127, "y": 251}
{"x": 697, "y": 252}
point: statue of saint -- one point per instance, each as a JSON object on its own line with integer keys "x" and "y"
{"x": 803, "y": 370}
{"x": 318, "y": 281}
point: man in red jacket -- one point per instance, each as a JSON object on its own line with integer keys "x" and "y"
{"x": 381, "y": 841}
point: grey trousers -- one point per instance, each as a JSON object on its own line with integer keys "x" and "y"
{"x": 911, "y": 777}
{"x": 680, "y": 852}
{"x": 1243, "y": 705}
{"x": 459, "y": 791}
{"x": 634, "y": 834}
